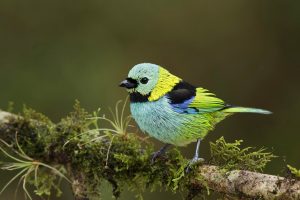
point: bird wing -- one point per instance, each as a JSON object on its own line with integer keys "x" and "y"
{"x": 206, "y": 101}
{"x": 185, "y": 98}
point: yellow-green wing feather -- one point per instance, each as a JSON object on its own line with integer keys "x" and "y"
{"x": 206, "y": 101}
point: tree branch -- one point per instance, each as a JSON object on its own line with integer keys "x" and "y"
{"x": 250, "y": 184}
{"x": 84, "y": 162}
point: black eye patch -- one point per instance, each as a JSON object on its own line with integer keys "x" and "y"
{"x": 144, "y": 80}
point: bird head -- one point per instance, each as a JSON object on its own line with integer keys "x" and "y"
{"x": 149, "y": 81}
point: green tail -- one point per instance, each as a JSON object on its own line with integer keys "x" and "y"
{"x": 246, "y": 110}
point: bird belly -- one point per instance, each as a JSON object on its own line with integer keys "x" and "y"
{"x": 159, "y": 120}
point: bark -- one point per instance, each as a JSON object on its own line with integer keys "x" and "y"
{"x": 250, "y": 184}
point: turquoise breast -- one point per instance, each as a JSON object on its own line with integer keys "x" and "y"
{"x": 159, "y": 120}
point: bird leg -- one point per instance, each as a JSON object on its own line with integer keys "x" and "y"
{"x": 158, "y": 153}
{"x": 196, "y": 158}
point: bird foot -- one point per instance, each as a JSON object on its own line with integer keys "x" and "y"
{"x": 155, "y": 155}
{"x": 192, "y": 162}
{"x": 158, "y": 153}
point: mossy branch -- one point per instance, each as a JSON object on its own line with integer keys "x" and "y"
{"x": 80, "y": 151}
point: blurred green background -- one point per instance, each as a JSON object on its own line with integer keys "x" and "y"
{"x": 247, "y": 52}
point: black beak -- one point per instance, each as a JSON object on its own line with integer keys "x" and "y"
{"x": 128, "y": 83}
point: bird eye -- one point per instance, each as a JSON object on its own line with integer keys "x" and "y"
{"x": 144, "y": 80}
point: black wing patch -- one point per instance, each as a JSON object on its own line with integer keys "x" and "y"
{"x": 182, "y": 92}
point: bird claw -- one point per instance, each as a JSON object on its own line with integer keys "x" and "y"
{"x": 158, "y": 153}
{"x": 192, "y": 162}
{"x": 155, "y": 155}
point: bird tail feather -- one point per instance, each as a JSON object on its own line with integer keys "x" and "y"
{"x": 246, "y": 110}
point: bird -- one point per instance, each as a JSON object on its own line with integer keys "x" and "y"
{"x": 174, "y": 111}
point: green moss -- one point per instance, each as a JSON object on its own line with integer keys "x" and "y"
{"x": 46, "y": 183}
{"x": 231, "y": 156}
{"x": 31, "y": 131}
{"x": 35, "y": 118}
{"x": 294, "y": 171}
